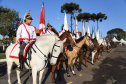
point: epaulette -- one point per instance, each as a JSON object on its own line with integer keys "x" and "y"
{"x": 19, "y": 24}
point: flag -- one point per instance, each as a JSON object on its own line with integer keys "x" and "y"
{"x": 83, "y": 29}
{"x": 42, "y": 21}
{"x": 65, "y": 23}
{"x": 101, "y": 34}
{"x": 97, "y": 34}
{"x": 76, "y": 29}
{"x": 93, "y": 33}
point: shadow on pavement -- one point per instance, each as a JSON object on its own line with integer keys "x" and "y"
{"x": 111, "y": 71}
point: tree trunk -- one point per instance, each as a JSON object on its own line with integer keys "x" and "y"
{"x": 97, "y": 24}
{"x": 83, "y": 27}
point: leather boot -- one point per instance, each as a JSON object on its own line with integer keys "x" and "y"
{"x": 21, "y": 62}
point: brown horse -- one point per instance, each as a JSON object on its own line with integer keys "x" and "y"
{"x": 85, "y": 51}
{"x": 72, "y": 54}
{"x": 98, "y": 50}
{"x": 69, "y": 40}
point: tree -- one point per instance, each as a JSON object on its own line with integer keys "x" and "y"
{"x": 70, "y": 8}
{"x": 84, "y": 17}
{"x": 9, "y": 21}
{"x": 100, "y": 17}
{"x": 117, "y": 32}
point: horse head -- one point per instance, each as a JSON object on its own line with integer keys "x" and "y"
{"x": 57, "y": 49}
{"x": 96, "y": 44}
{"x": 68, "y": 36}
{"x": 103, "y": 47}
{"x": 89, "y": 42}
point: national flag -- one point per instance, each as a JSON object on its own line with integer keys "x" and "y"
{"x": 42, "y": 21}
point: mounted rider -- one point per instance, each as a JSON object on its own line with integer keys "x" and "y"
{"x": 25, "y": 34}
{"x": 51, "y": 30}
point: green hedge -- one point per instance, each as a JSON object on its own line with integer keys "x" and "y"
{"x": 2, "y": 56}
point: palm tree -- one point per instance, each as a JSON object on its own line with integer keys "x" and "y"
{"x": 70, "y": 8}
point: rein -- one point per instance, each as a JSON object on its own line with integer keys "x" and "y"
{"x": 46, "y": 60}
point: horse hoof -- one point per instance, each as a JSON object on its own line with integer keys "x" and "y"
{"x": 86, "y": 66}
{"x": 74, "y": 74}
{"x": 68, "y": 75}
{"x": 79, "y": 69}
{"x": 53, "y": 82}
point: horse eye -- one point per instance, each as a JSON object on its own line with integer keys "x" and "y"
{"x": 55, "y": 50}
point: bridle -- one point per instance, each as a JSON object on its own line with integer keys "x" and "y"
{"x": 70, "y": 40}
{"x": 46, "y": 57}
{"x": 85, "y": 42}
{"x": 54, "y": 50}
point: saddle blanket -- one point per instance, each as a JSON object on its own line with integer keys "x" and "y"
{"x": 15, "y": 51}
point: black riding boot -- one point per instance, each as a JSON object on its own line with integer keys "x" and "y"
{"x": 21, "y": 62}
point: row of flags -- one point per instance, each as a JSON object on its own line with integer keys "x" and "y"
{"x": 65, "y": 27}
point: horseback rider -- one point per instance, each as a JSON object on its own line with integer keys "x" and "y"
{"x": 51, "y": 30}
{"x": 25, "y": 34}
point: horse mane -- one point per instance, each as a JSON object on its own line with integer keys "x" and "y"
{"x": 61, "y": 35}
{"x": 80, "y": 39}
{"x": 64, "y": 32}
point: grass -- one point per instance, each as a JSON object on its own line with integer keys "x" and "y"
{"x": 2, "y": 56}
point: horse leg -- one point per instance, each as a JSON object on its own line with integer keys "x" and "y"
{"x": 73, "y": 62}
{"x": 99, "y": 53}
{"x": 68, "y": 68}
{"x": 34, "y": 75}
{"x": 58, "y": 68}
{"x": 40, "y": 76}
{"x": 80, "y": 61}
{"x": 18, "y": 76}
{"x": 93, "y": 56}
{"x": 9, "y": 66}
{"x": 53, "y": 72}
{"x": 86, "y": 56}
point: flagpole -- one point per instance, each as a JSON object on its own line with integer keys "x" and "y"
{"x": 44, "y": 14}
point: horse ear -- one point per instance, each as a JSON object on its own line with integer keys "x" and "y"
{"x": 64, "y": 40}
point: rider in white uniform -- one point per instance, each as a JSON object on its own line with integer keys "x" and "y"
{"x": 49, "y": 29}
{"x": 25, "y": 34}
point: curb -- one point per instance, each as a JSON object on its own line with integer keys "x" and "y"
{"x": 2, "y": 60}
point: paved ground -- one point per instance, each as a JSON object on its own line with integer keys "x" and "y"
{"x": 109, "y": 69}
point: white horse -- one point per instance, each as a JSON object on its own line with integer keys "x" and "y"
{"x": 44, "y": 45}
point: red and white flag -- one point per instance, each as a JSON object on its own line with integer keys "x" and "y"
{"x": 76, "y": 29}
{"x": 42, "y": 22}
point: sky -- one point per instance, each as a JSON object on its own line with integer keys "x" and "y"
{"x": 115, "y": 10}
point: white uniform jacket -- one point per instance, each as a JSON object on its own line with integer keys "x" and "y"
{"x": 26, "y": 33}
{"x": 49, "y": 32}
